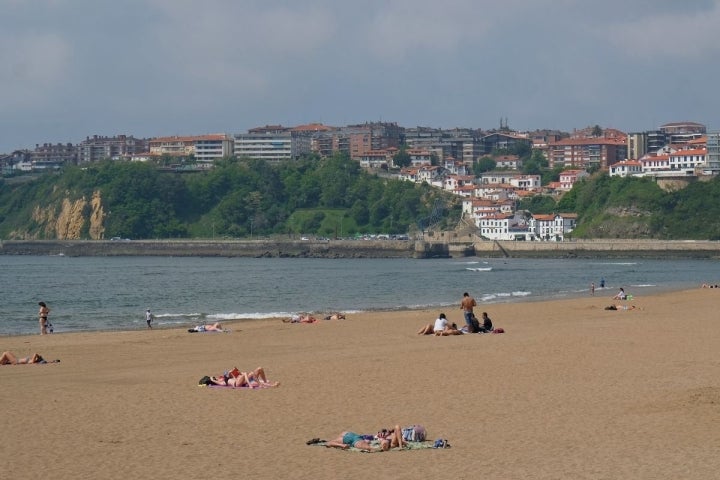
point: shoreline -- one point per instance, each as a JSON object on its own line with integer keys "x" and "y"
{"x": 449, "y": 306}
{"x": 236, "y": 323}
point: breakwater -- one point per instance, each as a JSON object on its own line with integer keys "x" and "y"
{"x": 438, "y": 247}
{"x": 213, "y": 248}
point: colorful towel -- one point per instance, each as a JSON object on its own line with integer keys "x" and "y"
{"x": 244, "y": 387}
{"x": 375, "y": 443}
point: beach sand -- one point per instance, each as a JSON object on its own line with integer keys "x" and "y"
{"x": 569, "y": 391}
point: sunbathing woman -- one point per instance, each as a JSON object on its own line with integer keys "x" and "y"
{"x": 394, "y": 436}
{"x": 214, "y": 327}
{"x": 9, "y": 358}
{"x": 301, "y": 318}
{"x": 236, "y": 378}
{"x": 351, "y": 439}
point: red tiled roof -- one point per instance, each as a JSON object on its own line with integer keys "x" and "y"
{"x": 312, "y": 127}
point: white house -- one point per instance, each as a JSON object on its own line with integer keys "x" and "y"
{"x": 688, "y": 159}
{"x": 554, "y": 226}
{"x": 569, "y": 177}
{"x": 504, "y": 227}
{"x": 655, "y": 163}
{"x": 625, "y": 168}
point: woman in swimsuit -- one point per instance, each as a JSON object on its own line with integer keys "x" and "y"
{"x": 43, "y": 314}
{"x": 351, "y": 439}
{"x": 236, "y": 378}
{"x": 9, "y": 358}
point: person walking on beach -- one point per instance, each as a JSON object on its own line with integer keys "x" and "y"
{"x": 149, "y": 317}
{"x": 592, "y": 289}
{"x": 467, "y": 305}
{"x": 602, "y": 282}
{"x": 43, "y": 316}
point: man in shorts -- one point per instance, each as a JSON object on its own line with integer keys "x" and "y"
{"x": 466, "y": 304}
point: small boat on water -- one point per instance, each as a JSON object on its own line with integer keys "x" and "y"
{"x": 478, "y": 269}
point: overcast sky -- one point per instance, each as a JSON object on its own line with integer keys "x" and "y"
{"x": 75, "y": 68}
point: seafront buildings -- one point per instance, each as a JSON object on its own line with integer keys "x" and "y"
{"x": 444, "y": 158}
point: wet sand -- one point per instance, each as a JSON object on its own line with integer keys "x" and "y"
{"x": 570, "y": 391}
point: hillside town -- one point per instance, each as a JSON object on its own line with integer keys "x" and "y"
{"x": 444, "y": 158}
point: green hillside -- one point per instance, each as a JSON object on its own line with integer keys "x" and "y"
{"x": 630, "y": 207}
{"x": 238, "y": 198}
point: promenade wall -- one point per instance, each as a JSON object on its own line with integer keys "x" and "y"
{"x": 211, "y": 248}
{"x": 428, "y": 248}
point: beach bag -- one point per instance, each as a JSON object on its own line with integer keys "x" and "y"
{"x": 498, "y": 330}
{"x": 414, "y": 433}
{"x": 205, "y": 381}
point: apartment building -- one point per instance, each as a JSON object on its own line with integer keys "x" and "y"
{"x": 51, "y": 156}
{"x": 682, "y": 132}
{"x": 272, "y": 143}
{"x": 99, "y": 147}
{"x": 713, "y": 153}
{"x": 460, "y": 144}
{"x": 587, "y": 152}
{"x": 204, "y": 148}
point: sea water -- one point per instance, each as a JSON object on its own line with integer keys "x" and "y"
{"x": 112, "y": 293}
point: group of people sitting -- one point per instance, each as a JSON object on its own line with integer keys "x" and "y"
{"x": 235, "y": 378}
{"x": 442, "y": 327}
{"x": 9, "y": 358}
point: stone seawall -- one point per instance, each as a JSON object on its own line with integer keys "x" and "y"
{"x": 366, "y": 248}
{"x": 598, "y": 248}
{"x": 208, "y": 248}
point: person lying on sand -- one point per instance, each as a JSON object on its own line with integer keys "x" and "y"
{"x": 393, "y": 435}
{"x": 9, "y": 358}
{"x": 300, "y": 318}
{"x": 621, "y": 307}
{"x": 236, "y": 378}
{"x": 335, "y": 316}
{"x": 362, "y": 442}
{"x": 215, "y": 327}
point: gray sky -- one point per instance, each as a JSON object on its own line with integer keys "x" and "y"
{"x": 75, "y": 68}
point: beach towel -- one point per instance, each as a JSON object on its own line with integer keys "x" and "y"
{"x": 376, "y": 443}
{"x": 244, "y": 387}
{"x": 207, "y": 382}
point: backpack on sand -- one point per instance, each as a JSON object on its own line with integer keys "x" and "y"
{"x": 414, "y": 433}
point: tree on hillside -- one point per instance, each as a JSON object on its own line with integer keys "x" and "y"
{"x": 401, "y": 158}
{"x": 484, "y": 164}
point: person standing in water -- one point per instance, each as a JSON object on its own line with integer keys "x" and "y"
{"x": 43, "y": 317}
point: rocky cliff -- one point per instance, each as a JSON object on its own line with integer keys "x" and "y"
{"x": 73, "y": 218}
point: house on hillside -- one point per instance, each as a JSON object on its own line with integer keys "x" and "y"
{"x": 569, "y": 177}
{"x": 626, "y": 168}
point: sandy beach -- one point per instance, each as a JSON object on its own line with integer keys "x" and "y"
{"x": 569, "y": 391}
